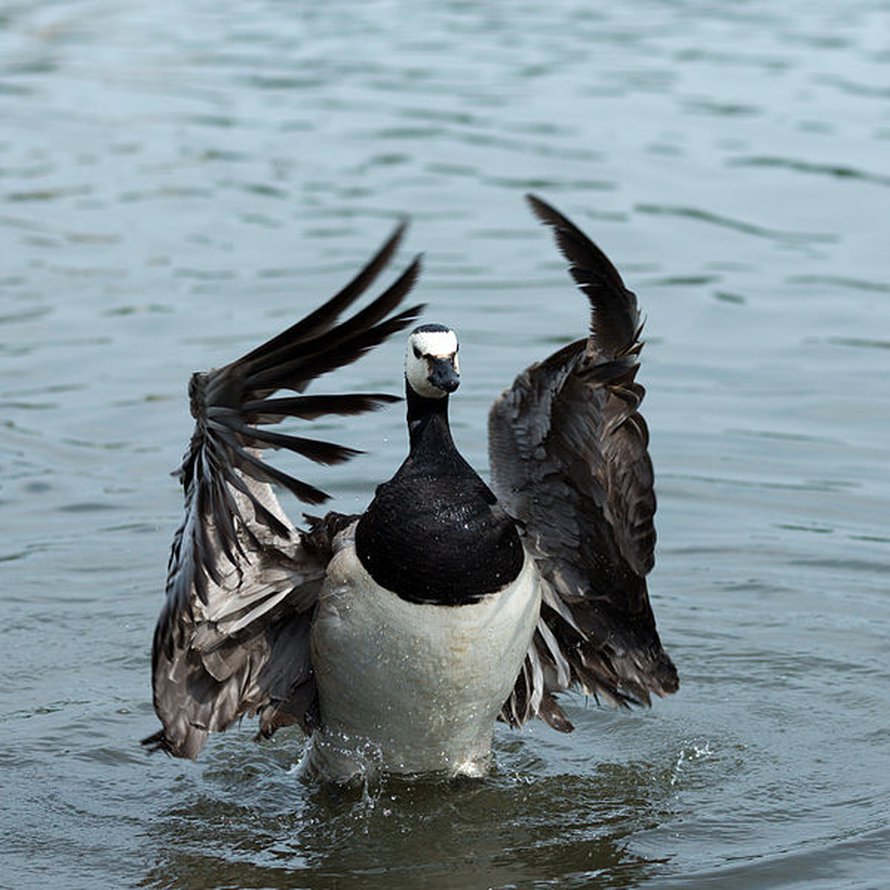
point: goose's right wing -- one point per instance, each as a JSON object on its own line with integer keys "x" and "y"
{"x": 569, "y": 461}
{"x": 232, "y": 637}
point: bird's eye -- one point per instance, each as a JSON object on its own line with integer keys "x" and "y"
{"x": 416, "y": 352}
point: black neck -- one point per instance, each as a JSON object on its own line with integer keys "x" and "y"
{"x": 428, "y": 421}
{"x": 434, "y": 532}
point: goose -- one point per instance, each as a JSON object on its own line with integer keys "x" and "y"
{"x": 395, "y": 639}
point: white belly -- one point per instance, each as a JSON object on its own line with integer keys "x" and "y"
{"x": 412, "y": 688}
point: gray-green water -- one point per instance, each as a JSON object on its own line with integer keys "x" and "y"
{"x": 179, "y": 180}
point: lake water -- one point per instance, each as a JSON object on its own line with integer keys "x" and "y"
{"x": 180, "y": 180}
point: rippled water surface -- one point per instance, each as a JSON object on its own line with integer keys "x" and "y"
{"x": 180, "y": 180}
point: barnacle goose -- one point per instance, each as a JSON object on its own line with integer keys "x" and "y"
{"x": 395, "y": 639}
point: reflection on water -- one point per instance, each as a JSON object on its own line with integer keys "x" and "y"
{"x": 176, "y": 184}
{"x": 518, "y": 826}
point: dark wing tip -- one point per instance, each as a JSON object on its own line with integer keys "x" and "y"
{"x": 575, "y": 246}
{"x": 615, "y": 318}
{"x": 398, "y": 233}
{"x": 322, "y": 318}
{"x": 544, "y": 211}
{"x": 157, "y": 742}
{"x": 565, "y": 229}
{"x": 668, "y": 680}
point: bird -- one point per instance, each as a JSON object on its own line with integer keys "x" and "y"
{"x": 397, "y": 638}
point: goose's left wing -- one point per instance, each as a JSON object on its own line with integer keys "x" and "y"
{"x": 569, "y": 460}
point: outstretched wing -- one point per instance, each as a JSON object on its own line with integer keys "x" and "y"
{"x": 569, "y": 460}
{"x": 232, "y": 637}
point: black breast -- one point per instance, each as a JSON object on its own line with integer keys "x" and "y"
{"x": 437, "y": 535}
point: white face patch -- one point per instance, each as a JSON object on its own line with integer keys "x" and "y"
{"x": 423, "y": 345}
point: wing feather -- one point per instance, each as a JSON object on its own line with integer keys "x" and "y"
{"x": 233, "y": 634}
{"x": 569, "y": 460}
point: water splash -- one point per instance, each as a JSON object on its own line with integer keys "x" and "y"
{"x": 690, "y": 754}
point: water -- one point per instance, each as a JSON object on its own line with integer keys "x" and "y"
{"x": 178, "y": 181}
